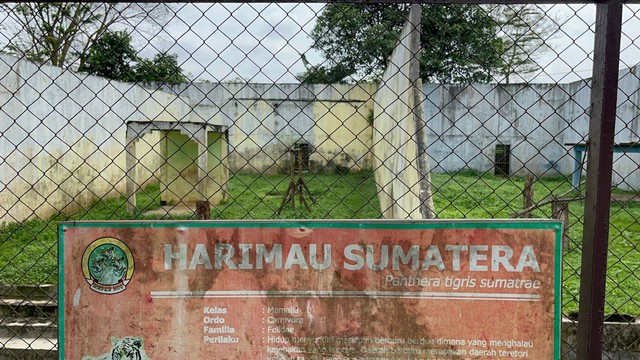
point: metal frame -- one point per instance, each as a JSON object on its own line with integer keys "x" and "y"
{"x": 604, "y": 93}
{"x": 578, "y": 156}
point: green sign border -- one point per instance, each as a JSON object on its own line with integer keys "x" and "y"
{"x": 534, "y": 224}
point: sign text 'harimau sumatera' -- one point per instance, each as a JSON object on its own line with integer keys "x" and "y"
{"x": 375, "y": 290}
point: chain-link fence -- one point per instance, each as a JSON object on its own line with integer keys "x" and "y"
{"x": 305, "y": 111}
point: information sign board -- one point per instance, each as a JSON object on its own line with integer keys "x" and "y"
{"x": 374, "y": 290}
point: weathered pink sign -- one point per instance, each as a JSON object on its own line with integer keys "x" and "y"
{"x": 310, "y": 290}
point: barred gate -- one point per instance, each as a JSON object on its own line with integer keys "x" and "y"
{"x": 323, "y": 111}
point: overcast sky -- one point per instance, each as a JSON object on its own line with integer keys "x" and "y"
{"x": 263, "y": 42}
{"x": 572, "y": 53}
{"x": 255, "y": 42}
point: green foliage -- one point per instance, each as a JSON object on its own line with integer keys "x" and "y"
{"x": 113, "y": 57}
{"x": 28, "y": 250}
{"x": 322, "y": 74}
{"x": 469, "y": 195}
{"x": 351, "y": 196}
{"x": 459, "y": 42}
{"x": 526, "y": 31}
{"x": 163, "y": 68}
{"x": 60, "y": 33}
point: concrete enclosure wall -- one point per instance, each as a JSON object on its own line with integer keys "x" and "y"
{"x": 465, "y": 123}
{"x": 63, "y": 137}
{"x": 63, "y": 134}
{"x": 266, "y": 120}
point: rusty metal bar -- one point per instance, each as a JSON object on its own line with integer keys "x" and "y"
{"x": 604, "y": 91}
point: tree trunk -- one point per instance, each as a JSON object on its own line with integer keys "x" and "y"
{"x": 425, "y": 195}
{"x": 203, "y": 210}
{"x": 560, "y": 210}
{"x": 528, "y": 194}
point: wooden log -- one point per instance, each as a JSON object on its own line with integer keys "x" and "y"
{"x": 528, "y": 194}
{"x": 560, "y": 211}
{"x": 203, "y": 210}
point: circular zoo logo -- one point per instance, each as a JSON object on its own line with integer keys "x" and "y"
{"x": 107, "y": 265}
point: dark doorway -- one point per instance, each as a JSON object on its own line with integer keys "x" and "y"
{"x": 503, "y": 154}
{"x": 302, "y": 157}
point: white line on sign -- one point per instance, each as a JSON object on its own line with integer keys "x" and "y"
{"x": 345, "y": 294}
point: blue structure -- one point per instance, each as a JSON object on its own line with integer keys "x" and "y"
{"x": 580, "y": 148}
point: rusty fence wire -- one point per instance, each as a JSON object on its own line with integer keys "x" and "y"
{"x": 292, "y": 111}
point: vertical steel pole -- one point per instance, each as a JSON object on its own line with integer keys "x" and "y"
{"x": 604, "y": 90}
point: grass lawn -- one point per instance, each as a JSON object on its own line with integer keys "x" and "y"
{"x": 28, "y": 250}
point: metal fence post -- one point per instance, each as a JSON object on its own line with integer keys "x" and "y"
{"x": 604, "y": 89}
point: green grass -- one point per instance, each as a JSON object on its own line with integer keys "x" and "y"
{"x": 28, "y": 249}
{"x": 338, "y": 197}
{"x": 469, "y": 195}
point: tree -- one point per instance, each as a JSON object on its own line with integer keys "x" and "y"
{"x": 526, "y": 31}
{"x": 163, "y": 68}
{"x": 111, "y": 57}
{"x": 59, "y": 33}
{"x": 460, "y": 43}
{"x": 318, "y": 74}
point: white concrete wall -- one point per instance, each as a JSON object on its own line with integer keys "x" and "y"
{"x": 62, "y": 134}
{"x": 466, "y": 122}
{"x": 265, "y": 120}
{"x": 62, "y": 137}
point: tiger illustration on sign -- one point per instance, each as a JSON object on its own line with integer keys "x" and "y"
{"x": 109, "y": 265}
{"x": 126, "y": 348}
